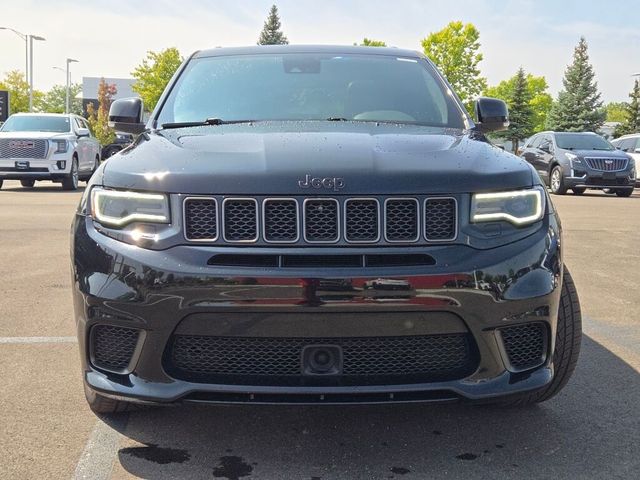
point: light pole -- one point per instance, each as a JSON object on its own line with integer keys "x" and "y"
{"x": 31, "y": 39}
{"x": 26, "y": 50}
{"x": 66, "y": 103}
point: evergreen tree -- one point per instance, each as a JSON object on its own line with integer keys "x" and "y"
{"x": 578, "y": 107}
{"x": 631, "y": 123}
{"x": 271, "y": 34}
{"x": 520, "y": 111}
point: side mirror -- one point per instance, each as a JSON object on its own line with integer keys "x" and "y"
{"x": 83, "y": 132}
{"x": 546, "y": 147}
{"x": 125, "y": 115}
{"x": 637, "y": 150}
{"x": 492, "y": 115}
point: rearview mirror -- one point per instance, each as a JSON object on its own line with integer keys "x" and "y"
{"x": 83, "y": 132}
{"x": 492, "y": 115}
{"x": 125, "y": 115}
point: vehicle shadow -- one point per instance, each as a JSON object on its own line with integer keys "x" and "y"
{"x": 41, "y": 189}
{"x": 591, "y": 430}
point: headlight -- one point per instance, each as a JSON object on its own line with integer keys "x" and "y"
{"x": 61, "y": 146}
{"x": 573, "y": 159}
{"x": 117, "y": 208}
{"x": 520, "y": 207}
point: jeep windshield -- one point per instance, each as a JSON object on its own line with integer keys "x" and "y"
{"x": 302, "y": 87}
{"x": 582, "y": 141}
{"x": 36, "y": 123}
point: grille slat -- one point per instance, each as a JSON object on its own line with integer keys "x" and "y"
{"x": 23, "y": 148}
{"x": 366, "y": 360}
{"x": 321, "y": 220}
{"x": 606, "y": 164}
{"x": 240, "y": 220}
{"x": 112, "y": 347}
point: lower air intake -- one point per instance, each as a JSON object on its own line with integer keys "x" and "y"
{"x": 525, "y": 345}
{"x": 112, "y": 347}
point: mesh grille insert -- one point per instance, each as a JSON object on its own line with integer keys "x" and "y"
{"x": 361, "y": 220}
{"x": 112, "y": 347}
{"x": 274, "y": 361}
{"x": 401, "y": 220}
{"x": 201, "y": 219}
{"x": 440, "y": 219}
{"x": 281, "y": 220}
{"x": 525, "y": 344}
{"x": 22, "y": 148}
{"x": 240, "y": 220}
{"x": 321, "y": 220}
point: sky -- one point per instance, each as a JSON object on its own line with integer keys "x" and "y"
{"x": 110, "y": 38}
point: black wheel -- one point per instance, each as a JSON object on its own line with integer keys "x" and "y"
{"x": 626, "y": 192}
{"x": 101, "y": 404}
{"x": 27, "y": 183}
{"x": 70, "y": 182}
{"x": 578, "y": 191}
{"x": 1, "y": 183}
{"x": 567, "y": 349}
{"x": 556, "y": 181}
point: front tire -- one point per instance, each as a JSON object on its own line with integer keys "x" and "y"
{"x": 624, "y": 192}
{"x": 557, "y": 181}
{"x": 1, "y": 182}
{"x": 567, "y": 349}
{"x": 27, "y": 183}
{"x": 578, "y": 191}
{"x": 70, "y": 182}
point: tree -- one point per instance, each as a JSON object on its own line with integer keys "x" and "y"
{"x": 154, "y": 73}
{"x": 540, "y": 101}
{"x": 99, "y": 119}
{"x": 368, "y": 42}
{"x": 18, "y": 88}
{"x": 54, "y": 100}
{"x": 456, "y": 51}
{"x": 578, "y": 107}
{"x": 616, "y": 111}
{"x": 631, "y": 120}
{"x": 520, "y": 111}
{"x": 271, "y": 34}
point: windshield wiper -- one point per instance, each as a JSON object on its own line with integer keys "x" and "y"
{"x": 208, "y": 121}
{"x": 337, "y": 119}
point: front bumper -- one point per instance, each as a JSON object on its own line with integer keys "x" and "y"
{"x": 159, "y": 292}
{"x": 589, "y": 178}
{"x": 56, "y": 167}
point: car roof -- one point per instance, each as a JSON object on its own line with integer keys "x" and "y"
{"x": 629, "y": 135}
{"x": 43, "y": 114}
{"x": 327, "y": 49}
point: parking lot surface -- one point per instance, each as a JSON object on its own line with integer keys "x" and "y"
{"x": 590, "y": 430}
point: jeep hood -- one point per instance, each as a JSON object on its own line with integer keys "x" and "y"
{"x": 271, "y": 157}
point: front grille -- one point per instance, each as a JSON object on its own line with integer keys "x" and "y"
{"x": 300, "y": 220}
{"x": 240, "y": 220}
{"x": 321, "y": 220}
{"x": 112, "y": 347}
{"x": 525, "y": 345}
{"x": 23, "y": 148}
{"x": 201, "y": 219}
{"x": 440, "y": 222}
{"x": 280, "y": 220}
{"x": 607, "y": 164}
{"x": 401, "y": 220}
{"x": 278, "y": 361}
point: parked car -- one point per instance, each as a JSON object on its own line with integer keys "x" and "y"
{"x": 359, "y": 163}
{"x": 578, "y": 161}
{"x": 121, "y": 141}
{"x": 630, "y": 144}
{"x": 47, "y": 146}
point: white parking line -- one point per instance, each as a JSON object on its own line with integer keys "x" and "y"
{"x": 15, "y": 340}
{"x": 101, "y": 450}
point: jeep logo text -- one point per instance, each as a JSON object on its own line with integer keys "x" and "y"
{"x": 334, "y": 183}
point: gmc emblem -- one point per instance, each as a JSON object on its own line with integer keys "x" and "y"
{"x": 21, "y": 144}
{"x": 332, "y": 183}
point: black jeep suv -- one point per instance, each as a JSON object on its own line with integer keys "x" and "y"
{"x": 577, "y": 161}
{"x": 318, "y": 225}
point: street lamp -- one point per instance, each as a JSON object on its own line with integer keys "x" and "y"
{"x": 31, "y": 39}
{"x": 66, "y": 103}
{"x": 26, "y": 49}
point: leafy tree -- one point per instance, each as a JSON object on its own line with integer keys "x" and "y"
{"x": 456, "y": 51}
{"x": 54, "y": 100}
{"x": 271, "y": 34}
{"x": 99, "y": 119}
{"x": 540, "y": 101}
{"x": 631, "y": 120}
{"x": 368, "y": 42}
{"x": 154, "y": 73}
{"x": 578, "y": 107}
{"x": 616, "y": 111}
{"x": 18, "y": 88}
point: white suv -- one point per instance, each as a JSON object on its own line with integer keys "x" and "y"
{"x": 47, "y": 146}
{"x": 630, "y": 144}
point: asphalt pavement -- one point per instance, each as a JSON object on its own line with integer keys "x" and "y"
{"x": 590, "y": 430}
